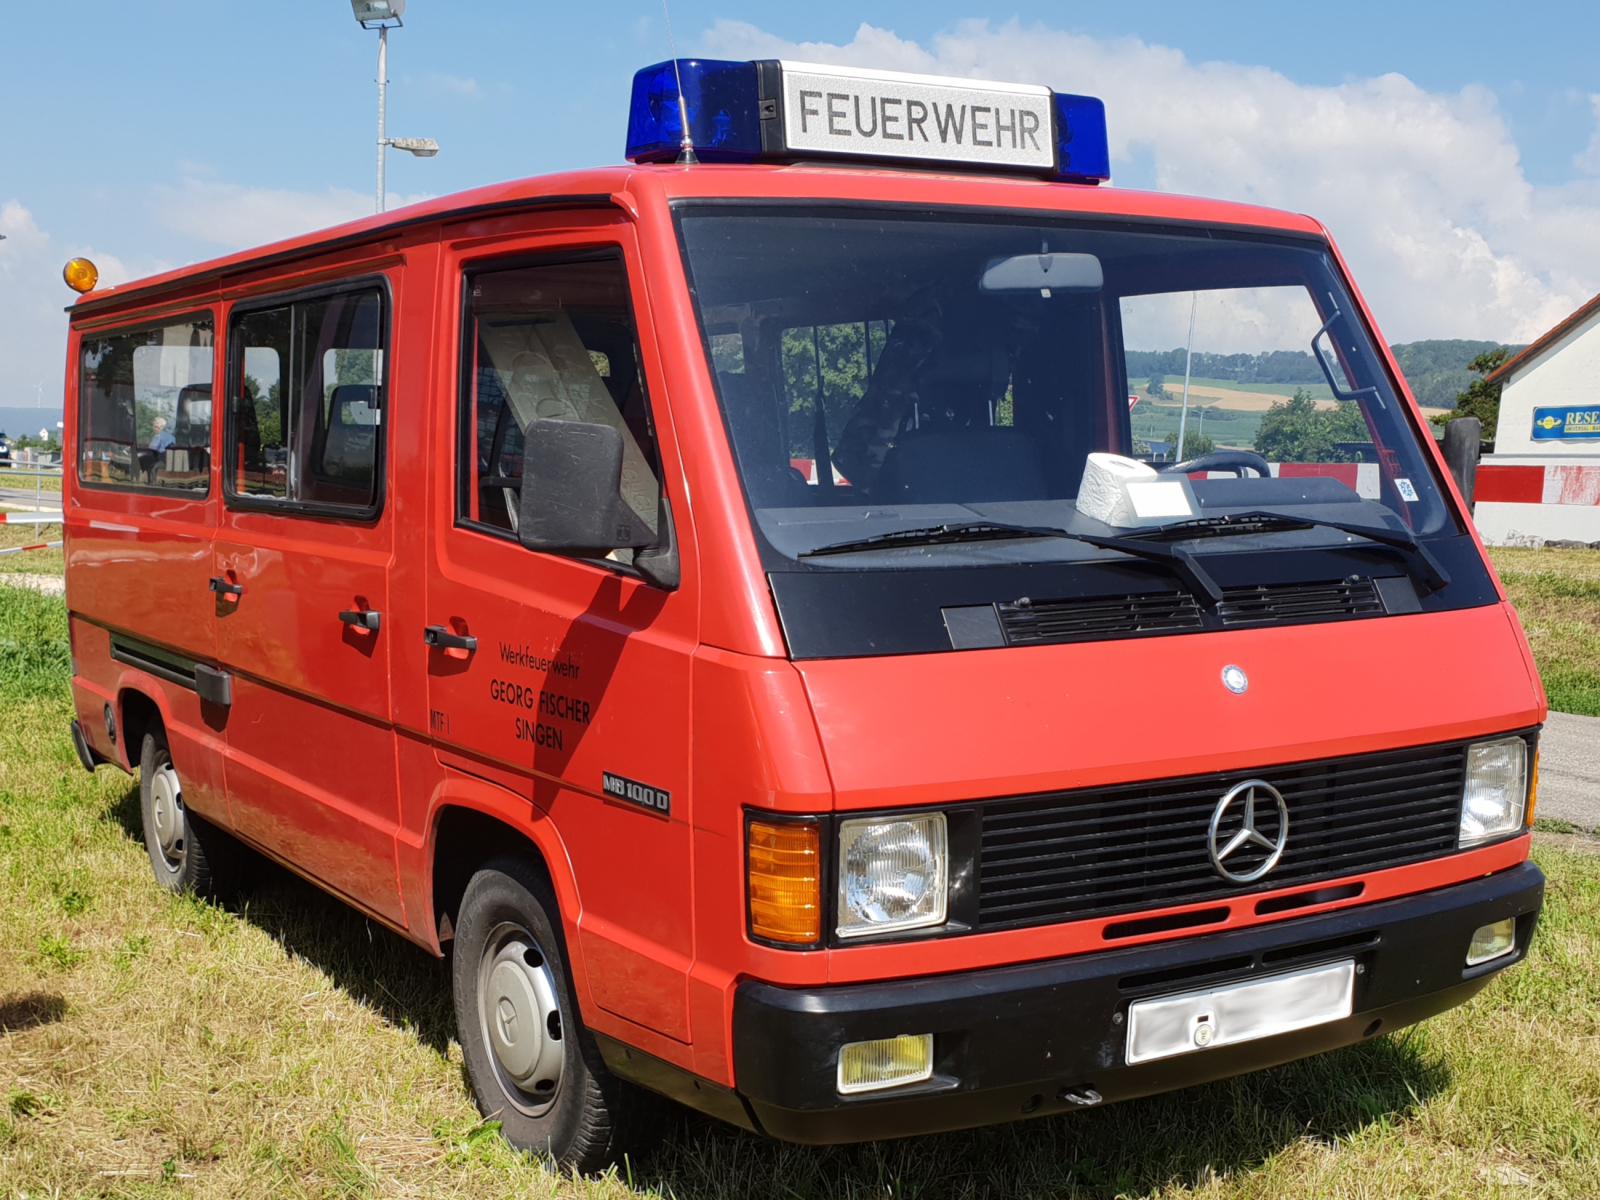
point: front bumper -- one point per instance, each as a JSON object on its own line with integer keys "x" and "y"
{"x": 1041, "y": 1038}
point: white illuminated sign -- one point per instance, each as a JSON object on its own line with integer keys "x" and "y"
{"x": 887, "y": 114}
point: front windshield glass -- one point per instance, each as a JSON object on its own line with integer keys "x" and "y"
{"x": 884, "y": 374}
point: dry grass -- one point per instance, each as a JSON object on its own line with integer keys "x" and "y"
{"x": 153, "y": 1046}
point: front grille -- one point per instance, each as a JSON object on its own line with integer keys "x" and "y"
{"x": 1274, "y": 604}
{"x": 1069, "y": 855}
{"x": 1030, "y": 623}
{"x": 1094, "y": 618}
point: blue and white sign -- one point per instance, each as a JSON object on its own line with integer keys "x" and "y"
{"x": 1566, "y": 424}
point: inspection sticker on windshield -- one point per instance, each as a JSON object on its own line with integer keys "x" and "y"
{"x": 1407, "y": 492}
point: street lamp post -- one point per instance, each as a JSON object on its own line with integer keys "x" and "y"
{"x": 384, "y": 15}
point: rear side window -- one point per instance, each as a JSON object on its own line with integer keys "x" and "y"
{"x": 550, "y": 341}
{"x": 306, "y": 379}
{"x": 145, "y": 406}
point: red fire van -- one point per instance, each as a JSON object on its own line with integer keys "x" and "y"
{"x": 727, "y": 604}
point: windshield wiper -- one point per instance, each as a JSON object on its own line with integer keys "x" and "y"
{"x": 1419, "y": 561}
{"x": 933, "y": 535}
{"x": 1175, "y": 558}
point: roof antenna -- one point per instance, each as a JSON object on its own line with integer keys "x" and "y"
{"x": 686, "y": 155}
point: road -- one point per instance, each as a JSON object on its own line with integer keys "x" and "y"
{"x": 21, "y": 497}
{"x": 1569, "y": 770}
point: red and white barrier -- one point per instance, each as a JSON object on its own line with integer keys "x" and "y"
{"x": 25, "y": 518}
{"x": 56, "y": 545}
{"x": 1529, "y": 503}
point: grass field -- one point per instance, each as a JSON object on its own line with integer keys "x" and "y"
{"x": 155, "y": 1046}
{"x": 1557, "y": 594}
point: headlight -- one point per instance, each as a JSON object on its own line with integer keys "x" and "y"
{"x": 1495, "y": 797}
{"x": 893, "y": 874}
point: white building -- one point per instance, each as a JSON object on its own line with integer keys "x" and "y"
{"x": 1542, "y": 483}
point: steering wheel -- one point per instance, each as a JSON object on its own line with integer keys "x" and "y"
{"x": 1222, "y": 460}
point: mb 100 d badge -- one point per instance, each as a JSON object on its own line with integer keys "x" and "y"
{"x": 1244, "y": 826}
{"x": 655, "y": 799}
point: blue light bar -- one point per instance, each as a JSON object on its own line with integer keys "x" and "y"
{"x": 783, "y": 111}
{"x": 722, "y": 99}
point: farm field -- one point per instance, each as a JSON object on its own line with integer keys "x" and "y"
{"x": 154, "y": 1046}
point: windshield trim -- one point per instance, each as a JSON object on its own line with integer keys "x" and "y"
{"x": 1108, "y": 222}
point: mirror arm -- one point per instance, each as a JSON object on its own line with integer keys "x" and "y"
{"x": 659, "y": 564}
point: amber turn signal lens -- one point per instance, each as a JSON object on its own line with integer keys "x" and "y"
{"x": 784, "y": 859}
{"x": 1533, "y": 790}
{"x": 81, "y": 275}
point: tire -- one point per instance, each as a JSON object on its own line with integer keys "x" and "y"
{"x": 187, "y": 852}
{"x": 510, "y": 976}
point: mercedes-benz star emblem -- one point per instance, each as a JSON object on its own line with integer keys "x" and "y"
{"x": 1245, "y": 798}
{"x": 1234, "y": 679}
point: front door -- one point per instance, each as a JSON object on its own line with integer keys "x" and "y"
{"x": 566, "y": 679}
{"x": 302, "y": 568}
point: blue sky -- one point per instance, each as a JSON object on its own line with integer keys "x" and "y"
{"x": 1451, "y": 148}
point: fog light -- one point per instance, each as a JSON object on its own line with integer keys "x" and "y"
{"x": 1492, "y": 941}
{"x": 1495, "y": 796}
{"x": 885, "y": 1063}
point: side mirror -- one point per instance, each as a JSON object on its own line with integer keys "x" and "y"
{"x": 571, "y": 500}
{"x": 1461, "y": 439}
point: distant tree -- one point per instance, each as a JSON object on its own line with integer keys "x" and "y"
{"x": 1196, "y": 444}
{"x": 1296, "y": 430}
{"x": 1157, "y": 387}
{"x": 1480, "y": 399}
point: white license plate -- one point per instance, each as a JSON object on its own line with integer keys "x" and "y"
{"x": 1240, "y": 1012}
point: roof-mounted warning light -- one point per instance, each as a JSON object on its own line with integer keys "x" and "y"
{"x": 783, "y": 111}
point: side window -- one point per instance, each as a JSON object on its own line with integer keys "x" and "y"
{"x": 307, "y": 383}
{"x": 145, "y": 406}
{"x": 550, "y": 341}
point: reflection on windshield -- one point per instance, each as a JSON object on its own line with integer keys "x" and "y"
{"x": 880, "y": 375}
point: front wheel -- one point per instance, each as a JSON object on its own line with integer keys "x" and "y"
{"x": 533, "y": 1066}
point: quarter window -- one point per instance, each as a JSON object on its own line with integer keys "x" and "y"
{"x": 307, "y": 383}
{"x": 145, "y": 406}
{"x": 552, "y": 341}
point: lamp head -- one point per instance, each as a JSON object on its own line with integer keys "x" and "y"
{"x": 378, "y": 12}
{"x": 421, "y": 147}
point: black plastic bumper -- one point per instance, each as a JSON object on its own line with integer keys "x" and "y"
{"x": 1043, "y": 1037}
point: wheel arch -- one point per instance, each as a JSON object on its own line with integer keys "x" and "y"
{"x": 474, "y": 823}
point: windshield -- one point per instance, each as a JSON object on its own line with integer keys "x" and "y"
{"x": 940, "y": 379}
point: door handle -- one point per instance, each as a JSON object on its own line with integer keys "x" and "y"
{"x": 361, "y": 618}
{"x": 438, "y": 635}
{"x": 222, "y": 587}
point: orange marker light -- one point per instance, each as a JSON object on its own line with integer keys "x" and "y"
{"x": 1533, "y": 792}
{"x": 81, "y": 275}
{"x": 785, "y": 888}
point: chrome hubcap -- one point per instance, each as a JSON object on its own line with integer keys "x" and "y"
{"x": 521, "y": 1018}
{"x": 166, "y": 813}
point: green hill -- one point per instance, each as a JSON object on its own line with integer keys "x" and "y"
{"x": 1437, "y": 370}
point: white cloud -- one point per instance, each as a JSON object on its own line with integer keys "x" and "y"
{"x": 33, "y": 327}
{"x": 234, "y": 216}
{"x": 1424, "y": 191}
{"x": 452, "y": 83}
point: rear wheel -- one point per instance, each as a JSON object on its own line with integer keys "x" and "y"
{"x": 187, "y": 852}
{"x": 533, "y": 1066}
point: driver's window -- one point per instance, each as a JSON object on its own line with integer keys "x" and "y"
{"x": 1253, "y": 383}
{"x": 553, "y": 340}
